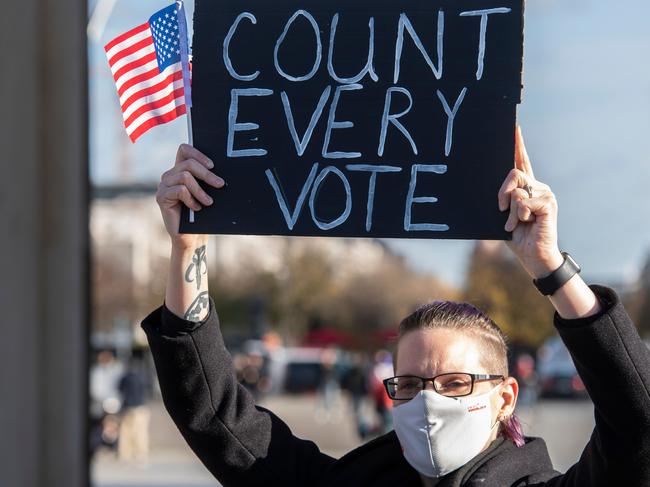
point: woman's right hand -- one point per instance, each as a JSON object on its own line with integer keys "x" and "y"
{"x": 179, "y": 186}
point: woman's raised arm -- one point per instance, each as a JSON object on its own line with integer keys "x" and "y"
{"x": 607, "y": 351}
{"x": 187, "y": 284}
{"x": 533, "y": 223}
{"x": 240, "y": 443}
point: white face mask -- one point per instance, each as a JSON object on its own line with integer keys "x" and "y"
{"x": 440, "y": 434}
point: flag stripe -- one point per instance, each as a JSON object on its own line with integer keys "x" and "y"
{"x": 147, "y": 89}
{"x": 140, "y": 74}
{"x": 152, "y": 106}
{"x": 167, "y": 117}
{"x": 151, "y": 99}
{"x": 133, "y": 65}
{"x": 144, "y": 83}
{"x": 137, "y": 56}
{"x": 126, "y": 35}
{"x": 128, "y": 51}
{"x": 154, "y": 115}
{"x": 129, "y": 42}
{"x": 161, "y": 110}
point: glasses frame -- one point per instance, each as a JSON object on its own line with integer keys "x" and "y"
{"x": 475, "y": 378}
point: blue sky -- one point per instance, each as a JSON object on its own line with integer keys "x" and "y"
{"x": 586, "y": 119}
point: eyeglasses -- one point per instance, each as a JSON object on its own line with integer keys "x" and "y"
{"x": 455, "y": 384}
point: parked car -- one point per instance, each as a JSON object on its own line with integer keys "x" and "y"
{"x": 305, "y": 368}
{"x": 303, "y": 371}
{"x": 557, "y": 373}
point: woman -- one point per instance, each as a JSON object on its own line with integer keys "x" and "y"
{"x": 454, "y": 401}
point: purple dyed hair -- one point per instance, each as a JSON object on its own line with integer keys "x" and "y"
{"x": 467, "y": 318}
{"x": 512, "y": 430}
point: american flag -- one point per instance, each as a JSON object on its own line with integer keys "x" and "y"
{"x": 149, "y": 65}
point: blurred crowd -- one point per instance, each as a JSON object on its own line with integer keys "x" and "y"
{"x": 339, "y": 378}
{"x": 344, "y": 381}
{"x": 344, "y": 378}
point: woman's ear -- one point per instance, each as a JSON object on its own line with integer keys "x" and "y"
{"x": 508, "y": 394}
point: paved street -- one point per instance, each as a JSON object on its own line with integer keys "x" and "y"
{"x": 566, "y": 426}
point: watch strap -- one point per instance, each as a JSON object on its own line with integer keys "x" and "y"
{"x": 559, "y": 277}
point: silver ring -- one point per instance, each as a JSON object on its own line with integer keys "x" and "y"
{"x": 529, "y": 189}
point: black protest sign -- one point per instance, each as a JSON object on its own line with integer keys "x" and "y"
{"x": 371, "y": 118}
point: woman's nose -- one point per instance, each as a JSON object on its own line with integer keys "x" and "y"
{"x": 428, "y": 385}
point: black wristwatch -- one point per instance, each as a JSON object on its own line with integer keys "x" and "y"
{"x": 559, "y": 277}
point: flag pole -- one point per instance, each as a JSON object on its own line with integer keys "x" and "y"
{"x": 187, "y": 84}
{"x": 190, "y": 141}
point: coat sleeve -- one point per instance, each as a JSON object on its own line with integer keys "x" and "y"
{"x": 240, "y": 444}
{"x": 614, "y": 365}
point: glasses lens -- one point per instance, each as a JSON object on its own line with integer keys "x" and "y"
{"x": 404, "y": 387}
{"x": 453, "y": 385}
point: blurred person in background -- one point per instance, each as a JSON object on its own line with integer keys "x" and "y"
{"x": 249, "y": 368}
{"x": 104, "y": 379}
{"x": 454, "y": 414}
{"x": 381, "y": 370}
{"x": 105, "y": 401}
{"x": 524, "y": 372}
{"x": 355, "y": 382}
{"x": 329, "y": 390}
{"x": 135, "y": 389}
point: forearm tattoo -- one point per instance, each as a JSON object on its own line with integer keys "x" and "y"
{"x": 197, "y": 268}
{"x": 201, "y": 302}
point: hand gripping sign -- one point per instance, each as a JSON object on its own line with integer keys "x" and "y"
{"x": 364, "y": 118}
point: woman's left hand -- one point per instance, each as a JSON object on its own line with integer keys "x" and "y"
{"x": 533, "y": 216}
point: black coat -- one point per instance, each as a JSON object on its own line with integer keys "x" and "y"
{"x": 246, "y": 445}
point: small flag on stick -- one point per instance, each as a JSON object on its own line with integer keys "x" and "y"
{"x": 150, "y": 66}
